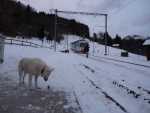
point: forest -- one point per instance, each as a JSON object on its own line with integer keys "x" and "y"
{"x": 18, "y": 19}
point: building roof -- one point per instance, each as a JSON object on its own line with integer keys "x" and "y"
{"x": 136, "y": 37}
{"x": 147, "y": 42}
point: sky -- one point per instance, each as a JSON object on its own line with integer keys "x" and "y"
{"x": 125, "y": 17}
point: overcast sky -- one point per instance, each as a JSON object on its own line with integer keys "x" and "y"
{"x": 124, "y": 16}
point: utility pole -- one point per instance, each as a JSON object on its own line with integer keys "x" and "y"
{"x": 55, "y": 30}
{"x": 105, "y": 34}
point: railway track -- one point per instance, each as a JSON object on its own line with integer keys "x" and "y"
{"x": 137, "y": 93}
{"x": 127, "y": 62}
{"x": 104, "y": 93}
{"x": 108, "y": 96}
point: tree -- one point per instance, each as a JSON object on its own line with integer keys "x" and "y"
{"x": 101, "y": 38}
{"x": 94, "y": 37}
{"x": 108, "y": 39}
{"x": 117, "y": 40}
{"x": 16, "y": 18}
{"x": 49, "y": 37}
{"x": 41, "y": 33}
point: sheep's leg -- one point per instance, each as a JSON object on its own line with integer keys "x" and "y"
{"x": 30, "y": 81}
{"x": 24, "y": 74}
{"x": 36, "y": 82}
{"x": 20, "y": 76}
{"x": 20, "y": 79}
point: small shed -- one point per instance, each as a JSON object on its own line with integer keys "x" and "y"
{"x": 146, "y": 45}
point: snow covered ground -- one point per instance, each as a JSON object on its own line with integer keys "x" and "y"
{"x": 99, "y": 84}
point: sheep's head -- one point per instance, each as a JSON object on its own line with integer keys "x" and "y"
{"x": 46, "y": 72}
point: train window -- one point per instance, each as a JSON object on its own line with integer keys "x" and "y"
{"x": 83, "y": 44}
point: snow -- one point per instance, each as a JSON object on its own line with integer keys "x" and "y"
{"x": 147, "y": 42}
{"x": 94, "y": 81}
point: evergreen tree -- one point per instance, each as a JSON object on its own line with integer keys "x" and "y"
{"x": 41, "y": 34}
{"x": 94, "y": 37}
{"x": 117, "y": 40}
{"x": 108, "y": 39}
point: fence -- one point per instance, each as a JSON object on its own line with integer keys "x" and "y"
{"x": 14, "y": 41}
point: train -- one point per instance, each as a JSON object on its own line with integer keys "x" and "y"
{"x": 80, "y": 46}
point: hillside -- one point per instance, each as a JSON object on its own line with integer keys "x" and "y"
{"x": 18, "y": 19}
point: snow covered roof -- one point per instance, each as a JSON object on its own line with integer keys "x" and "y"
{"x": 147, "y": 42}
{"x": 136, "y": 37}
